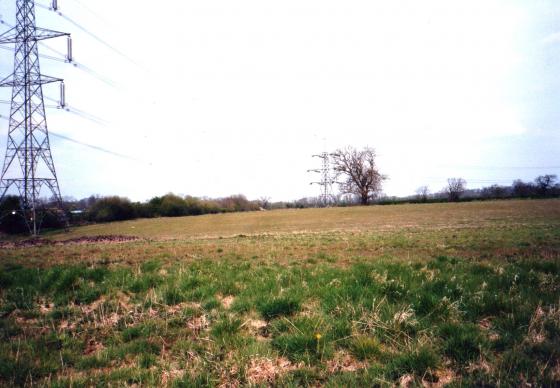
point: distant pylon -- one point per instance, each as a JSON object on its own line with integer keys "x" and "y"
{"x": 28, "y": 136}
{"x": 326, "y": 182}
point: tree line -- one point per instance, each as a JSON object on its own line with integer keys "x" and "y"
{"x": 360, "y": 182}
{"x": 354, "y": 171}
{"x": 97, "y": 209}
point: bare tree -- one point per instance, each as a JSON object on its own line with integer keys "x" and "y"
{"x": 264, "y": 203}
{"x": 494, "y": 191}
{"x": 522, "y": 189}
{"x": 358, "y": 173}
{"x": 455, "y": 188}
{"x": 422, "y": 193}
{"x": 545, "y": 183}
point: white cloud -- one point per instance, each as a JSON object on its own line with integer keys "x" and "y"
{"x": 552, "y": 38}
{"x": 235, "y": 96}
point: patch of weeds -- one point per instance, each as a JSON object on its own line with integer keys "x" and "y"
{"x": 298, "y": 346}
{"x": 481, "y": 270}
{"x": 340, "y": 330}
{"x": 86, "y": 295}
{"x": 371, "y": 377}
{"x": 147, "y": 360}
{"x": 225, "y": 327}
{"x": 15, "y": 372}
{"x": 211, "y": 304}
{"x": 361, "y": 274}
{"x": 150, "y": 266}
{"x": 304, "y": 339}
{"x": 185, "y": 347}
{"x": 134, "y": 332}
{"x": 517, "y": 363}
{"x": 394, "y": 290}
{"x": 22, "y": 298}
{"x": 190, "y": 312}
{"x": 63, "y": 312}
{"x": 462, "y": 342}
{"x": 283, "y": 306}
{"x": 303, "y": 377}
{"x": 228, "y": 287}
{"x": 419, "y": 363}
{"x": 139, "y": 346}
{"x": 201, "y": 293}
{"x": 8, "y": 329}
{"x": 442, "y": 262}
{"x": 93, "y": 362}
{"x": 324, "y": 256}
{"x": 204, "y": 379}
{"x": 488, "y": 304}
{"x": 144, "y": 282}
{"x": 241, "y": 305}
{"x": 130, "y": 376}
{"x": 363, "y": 347}
{"x": 172, "y": 296}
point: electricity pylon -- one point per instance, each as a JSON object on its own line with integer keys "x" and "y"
{"x": 326, "y": 181}
{"x": 28, "y": 164}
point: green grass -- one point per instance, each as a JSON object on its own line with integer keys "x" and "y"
{"x": 478, "y": 306}
{"x": 277, "y": 307}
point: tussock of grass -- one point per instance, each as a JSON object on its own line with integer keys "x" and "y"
{"x": 365, "y": 347}
{"x": 420, "y": 362}
{"x": 462, "y": 342}
{"x": 278, "y": 307}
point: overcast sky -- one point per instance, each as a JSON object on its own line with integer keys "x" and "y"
{"x": 219, "y": 97}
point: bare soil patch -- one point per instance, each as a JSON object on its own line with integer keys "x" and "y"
{"x": 40, "y": 242}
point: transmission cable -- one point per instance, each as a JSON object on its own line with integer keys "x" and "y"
{"x": 83, "y": 144}
{"x": 93, "y": 147}
{"x": 91, "y": 34}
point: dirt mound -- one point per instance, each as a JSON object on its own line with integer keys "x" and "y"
{"x": 38, "y": 242}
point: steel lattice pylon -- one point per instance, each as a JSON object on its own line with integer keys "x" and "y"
{"x": 326, "y": 197}
{"x": 28, "y": 164}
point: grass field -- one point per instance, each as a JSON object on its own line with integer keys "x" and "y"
{"x": 435, "y": 295}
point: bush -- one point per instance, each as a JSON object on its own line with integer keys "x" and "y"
{"x": 112, "y": 209}
{"x": 11, "y": 223}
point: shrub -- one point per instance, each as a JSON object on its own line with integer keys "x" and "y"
{"x": 11, "y": 223}
{"x": 112, "y": 209}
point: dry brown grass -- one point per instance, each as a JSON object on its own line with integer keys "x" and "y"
{"x": 356, "y": 219}
{"x": 486, "y": 230}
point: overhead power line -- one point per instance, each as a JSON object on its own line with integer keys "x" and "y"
{"x": 94, "y": 147}
{"x": 75, "y": 64}
{"x": 91, "y": 34}
{"x": 87, "y": 145}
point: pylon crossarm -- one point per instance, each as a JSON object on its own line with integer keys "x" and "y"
{"x": 8, "y": 36}
{"x": 11, "y": 36}
{"x": 41, "y": 80}
{"x": 7, "y": 79}
{"x": 43, "y": 33}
